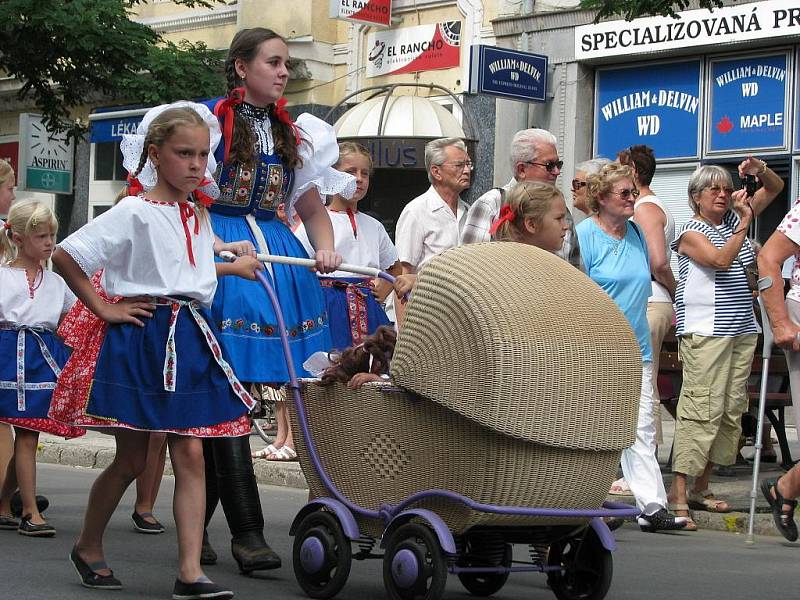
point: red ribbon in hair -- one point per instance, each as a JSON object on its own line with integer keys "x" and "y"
{"x": 201, "y": 197}
{"x": 134, "y": 186}
{"x": 507, "y": 215}
{"x": 187, "y": 212}
{"x": 223, "y": 110}
{"x": 284, "y": 117}
{"x": 6, "y": 225}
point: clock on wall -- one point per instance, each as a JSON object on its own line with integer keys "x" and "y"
{"x": 45, "y": 157}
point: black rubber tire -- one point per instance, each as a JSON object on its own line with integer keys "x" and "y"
{"x": 338, "y": 555}
{"x": 486, "y": 584}
{"x": 588, "y": 568}
{"x": 432, "y": 578}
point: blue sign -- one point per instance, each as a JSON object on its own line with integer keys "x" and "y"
{"x": 112, "y": 130}
{"x": 508, "y": 73}
{"x": 748, "y": 104}
{"x": 657, "y": 105}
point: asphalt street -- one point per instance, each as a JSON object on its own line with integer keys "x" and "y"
{"x": 707, "y": 565}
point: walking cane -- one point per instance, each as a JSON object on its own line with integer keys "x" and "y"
{"x": 766, "y": 353}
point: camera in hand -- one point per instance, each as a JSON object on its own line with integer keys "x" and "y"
{"x": 749, "y": 184}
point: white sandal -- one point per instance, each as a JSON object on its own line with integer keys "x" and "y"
{"x": 284, "y": 454}
{"x": 265, "y": 452}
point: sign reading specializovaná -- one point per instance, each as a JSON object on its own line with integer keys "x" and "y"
{"x": 370, "y": 12}
{"x": 412, "y": 49}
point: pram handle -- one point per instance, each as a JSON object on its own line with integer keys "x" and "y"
{"x": 310, "y": 263}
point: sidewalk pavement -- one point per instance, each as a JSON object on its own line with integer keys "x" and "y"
{"x": 96, "y": 450}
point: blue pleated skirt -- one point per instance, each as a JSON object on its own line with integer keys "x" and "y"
{"x": 128, "y": 385}
{"x": 244, "y": 314}
{"x": 339, "y": 313}
{"x": 37, "y": 371}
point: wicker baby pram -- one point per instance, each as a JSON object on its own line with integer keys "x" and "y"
{"x": 524, "y": 381}
{"x": 518, "y": 382}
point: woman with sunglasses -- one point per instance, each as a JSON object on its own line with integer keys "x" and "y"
{"x": 579, "y": 191}
{"x": 615, "y": 256}
{"x": 716, "y": 327}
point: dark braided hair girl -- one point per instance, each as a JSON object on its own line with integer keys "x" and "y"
{"x": 266, "y": 160}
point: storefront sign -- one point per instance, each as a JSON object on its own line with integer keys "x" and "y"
{"x": 112, "y": 130}
{"x": 729, "y": 24}
{"x": 412, "y": 49}
{"x": 508, "y": 73}
{"x": 45, "y": 158}
{"x": 399, "y": 153}
{"x": 748, "y": 104}
{"x": 657, "y": 105}
{"x": 370, "y": 12}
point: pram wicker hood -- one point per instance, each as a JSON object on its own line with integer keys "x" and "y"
{"x": 516, "y": 339}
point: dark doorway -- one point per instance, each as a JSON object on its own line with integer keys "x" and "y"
{"x": 389, "y": 191}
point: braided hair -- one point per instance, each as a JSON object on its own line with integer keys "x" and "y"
{"x": 245, "y": 46}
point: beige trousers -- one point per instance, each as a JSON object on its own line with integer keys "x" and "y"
{"x": 659, "y": 319}
{"x": 713, "y": 398}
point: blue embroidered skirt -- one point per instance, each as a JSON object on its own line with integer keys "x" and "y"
{"x": 353, "y": 312}
{"x": 135, "y": 386}
{"x": 39, "y": 377}
{"x": 244, "y": 314}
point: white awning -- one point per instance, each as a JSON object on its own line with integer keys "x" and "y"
{"x": 404, "y": 116}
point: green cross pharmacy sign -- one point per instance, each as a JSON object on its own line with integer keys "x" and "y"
{"x": 45, "y": 158}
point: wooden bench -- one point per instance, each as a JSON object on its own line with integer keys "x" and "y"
{"x": 670, "y": 371}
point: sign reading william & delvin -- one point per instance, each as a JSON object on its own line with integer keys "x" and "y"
{"x": 508, "y": 73}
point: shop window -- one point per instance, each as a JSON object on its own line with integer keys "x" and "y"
{"x": 108, "y": 162}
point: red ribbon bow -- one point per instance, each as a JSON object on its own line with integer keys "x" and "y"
{"x": 223, "y": 110}
{"x": 201, "y": 197}
{"x": 284, "y": 117}
{"x": 7, "y": 225}
{"x": 134, "y": 186}
{"x": 507, "y": 214}
{"x": 187, "y": 212}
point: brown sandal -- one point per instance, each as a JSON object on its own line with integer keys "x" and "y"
{"x": 674, "y": 507}
{"x": 706, "y": 500}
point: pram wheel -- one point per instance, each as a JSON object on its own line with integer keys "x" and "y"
{"x": 486, "y": 584}
{"x": 413, "y": 565}
{"x": 587, "y": 567}
{"x": 321, "y": 555}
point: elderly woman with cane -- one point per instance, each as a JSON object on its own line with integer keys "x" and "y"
{"x": 784, "y": 317}
{"x": 716, "y": 326}
{"x": 615, "y": 256}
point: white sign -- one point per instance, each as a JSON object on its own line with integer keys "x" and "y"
{"x": 45, "y": 158}
{"x": 412, "y": 49}
{"x": 370, "y": 12}
{"x": 755, "y": 21}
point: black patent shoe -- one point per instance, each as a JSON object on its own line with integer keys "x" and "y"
{"x": 661, "y": 520}
{"x": 42, "y": 504}
{"x": 207, "y": 554}
{"x": 199, "y": 590}
{"x": 43, "y": 530}
{"x": 252, "y": 556}
{"x": 91, "y": 579}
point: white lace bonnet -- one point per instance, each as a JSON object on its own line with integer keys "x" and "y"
{"x": 132, "y": 146}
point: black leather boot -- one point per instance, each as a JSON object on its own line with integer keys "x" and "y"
{"x": 238, "y": 493}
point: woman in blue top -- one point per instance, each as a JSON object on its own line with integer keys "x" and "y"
{"x": 266, "y": 160}
{"x": 615, "y": 256}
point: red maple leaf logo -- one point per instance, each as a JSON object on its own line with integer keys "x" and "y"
{"x": 725, "y": 125}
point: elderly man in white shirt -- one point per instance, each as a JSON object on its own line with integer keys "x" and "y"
{"x": 432, "y": 223}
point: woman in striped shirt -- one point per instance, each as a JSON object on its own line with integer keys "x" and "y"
{"x": 716, "y": 326}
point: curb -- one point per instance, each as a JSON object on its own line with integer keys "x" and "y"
{"x": 284, "y": 474}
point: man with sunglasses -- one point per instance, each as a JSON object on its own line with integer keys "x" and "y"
{"x": 534, "y": 157}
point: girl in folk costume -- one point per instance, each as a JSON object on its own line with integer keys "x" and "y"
{"x": 155, "y": 364}
{"x": 32, "y": 302}
{"x": 266, "y": 160}
{"x": 353, "y": 311}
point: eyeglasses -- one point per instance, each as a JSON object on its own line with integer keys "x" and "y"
{"x": 549, "y": 166}
{"x": 627, "y": 194}
{"x": 717, "y": 190}
{"x": 461, "y": 165}
{"x": 578, "y": 184}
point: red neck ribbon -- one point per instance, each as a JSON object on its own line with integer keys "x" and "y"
{"x": 223, "y": 110}
{"x": 187, "y": 212}
{"x": 283, "y": 116}
{"x": 507, "y": 215}
{"x": 352, "y": 218}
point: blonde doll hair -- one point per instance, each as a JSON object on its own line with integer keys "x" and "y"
{"x": 527, "y": 200}
{"x": 23, "y": 218}
{"x": 6, "y": 172}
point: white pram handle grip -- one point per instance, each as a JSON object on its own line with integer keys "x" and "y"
{"x": 304, "y": 262}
